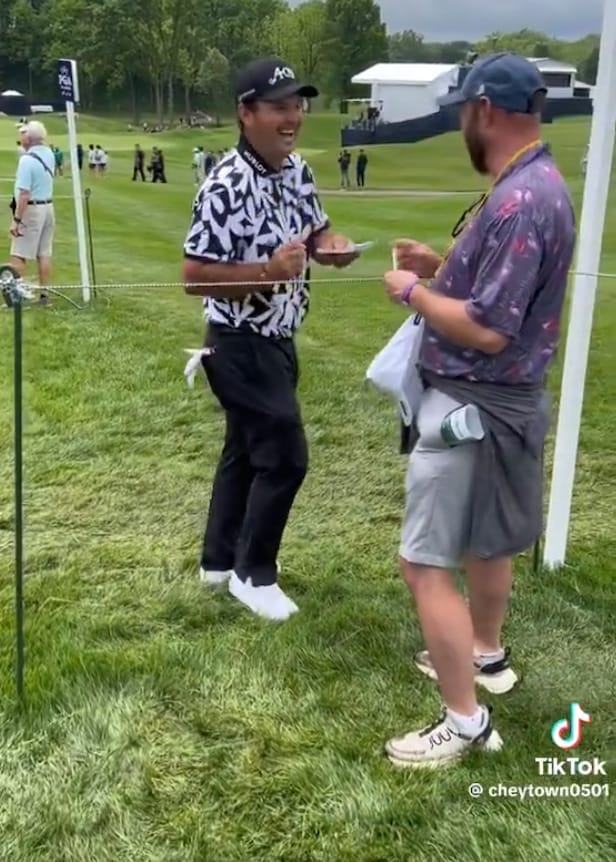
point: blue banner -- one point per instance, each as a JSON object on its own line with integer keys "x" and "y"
{"x": 67, "y": 80}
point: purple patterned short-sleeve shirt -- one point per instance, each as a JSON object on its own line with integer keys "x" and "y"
{"x": 511, "y": 266}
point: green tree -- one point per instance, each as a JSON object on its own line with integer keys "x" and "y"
{"x": 213, "y": 81}
{"x": 242, "y": 30}
{"x": 70, "y": 33}
{"x": 165, "y": 25}
{"x": 449, "y": 52}
{"x": 529, "y": 43}
{"x": 410, "y": 47}
{"x": 118, "y": 47}
{"x": 588, "y": 68}
{"x": 522, "y": 42}
{"x": 25, "y": 28}
{"x": 541, "y": 49}
{"x": 144, "y": 54}
{"x": 356, "y": 38}
{"x": 581, "y": 50}
{"x": 407, "y": 47}
{"x": 189, "y": 60}
{"x": 298, "y": 37}
{"x": 109, "y": 41}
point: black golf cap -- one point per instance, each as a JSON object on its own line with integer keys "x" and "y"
{"x": 269, "y": 80}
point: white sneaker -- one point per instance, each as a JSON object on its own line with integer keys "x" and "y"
{"x": 213, "y": 578}
{"x": 269, "y": 602}
{"x": 497, "y": 677}
{"x": 440, "y": 744}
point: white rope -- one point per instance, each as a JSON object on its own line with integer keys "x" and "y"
{"x": 155, "y": 285}
{"x": 55, "y": 197}
{"x": 261, "y": 285}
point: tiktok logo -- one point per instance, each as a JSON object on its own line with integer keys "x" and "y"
{"x": 567, "y": 732}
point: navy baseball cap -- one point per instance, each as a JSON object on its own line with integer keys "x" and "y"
{"x": 269, "y": 80}
{"x": 509, "y": 81}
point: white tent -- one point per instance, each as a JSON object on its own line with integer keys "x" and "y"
{"x": 407, "y": 90}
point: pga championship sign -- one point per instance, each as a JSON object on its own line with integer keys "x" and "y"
{"x": 68, "y": 84}
{"x": 68, "y": 89}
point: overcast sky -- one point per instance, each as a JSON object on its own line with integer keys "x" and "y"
{"x": 446, "y": 20}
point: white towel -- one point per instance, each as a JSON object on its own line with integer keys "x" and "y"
{"x": 194, "y": 363}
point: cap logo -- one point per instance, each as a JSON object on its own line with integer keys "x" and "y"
{"x": 280, "y": 73}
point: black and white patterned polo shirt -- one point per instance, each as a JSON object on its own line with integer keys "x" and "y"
{"x": 244, "y": 212}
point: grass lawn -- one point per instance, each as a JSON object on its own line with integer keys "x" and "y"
{"x": 165, "y": 723}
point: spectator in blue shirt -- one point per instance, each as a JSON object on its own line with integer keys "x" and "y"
{"x": 33, "y": 224}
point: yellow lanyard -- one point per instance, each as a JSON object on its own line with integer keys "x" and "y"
{"x": 484, "y": 198}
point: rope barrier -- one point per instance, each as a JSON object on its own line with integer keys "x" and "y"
{"x": 55, "y": 197}
{"x": 15, "y": 293}
{"x": 361, "y": 279}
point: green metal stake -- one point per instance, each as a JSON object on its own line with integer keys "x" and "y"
{"x": 87, "y": 194}
{"x": 19, "y": 512}
{"x": 14, "y": 294}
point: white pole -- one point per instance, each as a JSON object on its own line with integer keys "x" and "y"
{"x": 584, "y": 291}
{"x": 78, "y": 200}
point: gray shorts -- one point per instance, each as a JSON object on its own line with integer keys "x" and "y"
{"x": 437, "y": 515}
{"x": 37, "y": 229}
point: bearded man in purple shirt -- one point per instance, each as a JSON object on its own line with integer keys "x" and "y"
{"x": 492, "y": 312}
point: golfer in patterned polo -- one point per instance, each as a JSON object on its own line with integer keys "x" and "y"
{"x": 257, "y": 223}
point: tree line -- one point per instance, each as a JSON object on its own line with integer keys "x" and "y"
{"x": 410, "y": 47}
{"x": 173, "y": 57}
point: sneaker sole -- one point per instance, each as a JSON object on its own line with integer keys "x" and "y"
{"x": 493, "y": 745}
{"x": 505, "y": 682}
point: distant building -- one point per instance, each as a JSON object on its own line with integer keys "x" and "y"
{"x": 14, "y": 104}
{"x": 407, "y": 90}
{"x": 560, "y": 79}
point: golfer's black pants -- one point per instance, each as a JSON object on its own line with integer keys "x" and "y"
{"x": 361, "y": 178}
{"x": 265, "y": 455}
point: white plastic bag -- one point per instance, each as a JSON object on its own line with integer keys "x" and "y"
{"x": 394, "y": 369}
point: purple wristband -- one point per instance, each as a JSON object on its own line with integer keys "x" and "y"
{"x": 406, "y": 293}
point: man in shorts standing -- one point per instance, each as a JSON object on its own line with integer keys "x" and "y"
{"x": 33, "y": 223}
{"x": 492, "y": 314}
{"x": 257, "y": 220}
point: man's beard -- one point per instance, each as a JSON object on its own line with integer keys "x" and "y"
{"x": 477, "y": 152}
